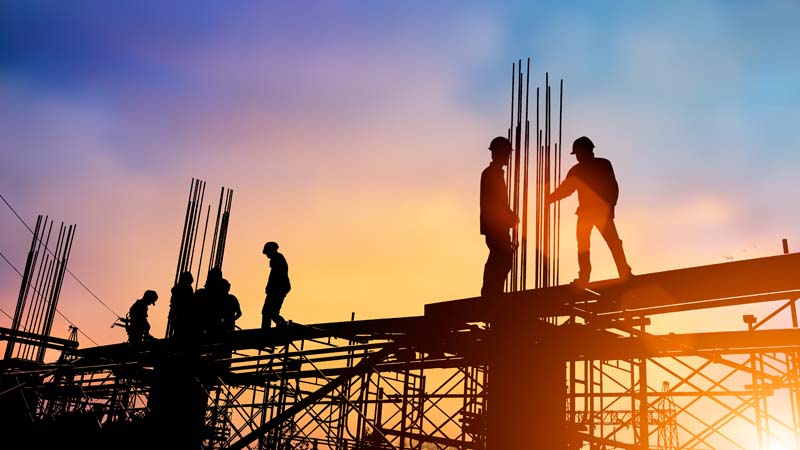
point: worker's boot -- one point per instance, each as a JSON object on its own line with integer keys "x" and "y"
{"x": 580, "y": 283}
{"x": 620, "y": 261}
{"x": 584, "y": 269}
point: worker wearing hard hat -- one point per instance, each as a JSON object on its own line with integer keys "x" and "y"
{"x": 278, "y": 285}
{"x": 496, "y": 218}
{"x": 598, "y": 191}
{"x": 138, "y": 327}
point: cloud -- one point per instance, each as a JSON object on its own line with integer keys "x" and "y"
{"x": 356, "y": 135}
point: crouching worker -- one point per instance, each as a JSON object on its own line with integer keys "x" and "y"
{"x": 138, "y": 327}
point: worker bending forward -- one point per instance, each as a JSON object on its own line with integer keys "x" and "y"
{"x": 138, "y": 327}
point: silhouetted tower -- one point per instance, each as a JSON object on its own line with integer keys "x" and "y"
{"x": 667, "y": 420}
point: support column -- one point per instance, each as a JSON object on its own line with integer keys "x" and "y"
{"x": 527, "y": 386}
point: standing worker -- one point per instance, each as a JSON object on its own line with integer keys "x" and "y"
{"x": 229, "y": 308}
{"x": 496, "y": 218}
{"x": 598, "y": 191}
{"x": 206, "y": 308}
{"x": 179, "y": 304}
{"x": 278, "y": 286}
{"x": 138, "y": 327}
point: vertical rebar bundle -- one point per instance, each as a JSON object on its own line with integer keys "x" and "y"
{"x": 547, "y": 221}
{"x": 190, "y": 226}
{"x": 41, "y": 287}
{"x": 548, "y": 216}
{"x": 517, "y": 176}
{"x": 221, "y": 228}
{"x": 191, "y": 231}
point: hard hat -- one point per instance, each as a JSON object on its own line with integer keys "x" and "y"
{"x": 582, "y": 143}
{"x": 270, "y": 246}
{"x": 500, "y": 144}
{"x": 214, "y": 274}
{"x": 186, "y": 277}
{"x": 150, "y": 296}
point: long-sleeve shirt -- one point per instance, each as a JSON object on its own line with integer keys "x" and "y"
{"x": 138, "y": 315}
{"x": 596, "y": 185}
{"x": 229, "y": 311}
{"x": 278, "y": 282}
{"x": 496, "y": 216}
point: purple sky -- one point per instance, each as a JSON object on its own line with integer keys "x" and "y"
{"x": 354, "y": 133}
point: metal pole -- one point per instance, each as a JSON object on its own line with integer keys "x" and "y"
{"x": 198, "y": 214}
{"x": 66, "y": 250}
{"x": 517, "y": 142}
{"x": 540, "y": 195}
{"x": 202, "y": 247}
{"x": 36, "y": 311}
{"x": 224, "y": 228}
{"x": 183, "y": 234}
{"x": 216, "y": 229}
{"x": 546, "y": 173}
{"x": 644, "y": 417}
{"x": 509, "y": 280}
{"x": 29, "y": 262}
{"x": 558, "y": 178}
{"x": 524, "y": 250}
{"x": 190, "y": 230}
{"x": 795, "y": 375}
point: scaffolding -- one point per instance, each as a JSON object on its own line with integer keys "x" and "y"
{"x": 447, "y": 381}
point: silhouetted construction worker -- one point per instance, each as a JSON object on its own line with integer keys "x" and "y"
{"x": 179, "y": 304}
{"x": 138, "y": 327}
{"x": 598, "y": 191}
{"x": 229, "y": 308}
{"x": 496, "y": 218}
{"x": 205, "y": 314}
{"x": 278, "y": 286}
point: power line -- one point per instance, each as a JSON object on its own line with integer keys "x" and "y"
{"x": 59, "y": 312}
{"x": 68, "y": 271}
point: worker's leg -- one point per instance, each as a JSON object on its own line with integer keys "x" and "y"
{"x": 583, "y": 231}
{"x": 609, "y": 232}
{"x": 497, "y": 264}
{"x": 488, "y": 287}
{"x": 266, "y": 318}
{"x": 135, "y": 335}
{"x": 278, "y": 304}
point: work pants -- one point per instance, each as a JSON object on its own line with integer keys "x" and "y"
{"x": 604, "y": 224}
{"x": 497, "y": 264}
{"x": 271, "y": 311}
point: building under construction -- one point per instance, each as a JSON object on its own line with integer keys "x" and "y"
{"x": 547, "y": 367}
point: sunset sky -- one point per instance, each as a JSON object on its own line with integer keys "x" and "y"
{"x": 354, "y": 134}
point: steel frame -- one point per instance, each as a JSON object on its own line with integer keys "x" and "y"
{"x": 424, "y": 382}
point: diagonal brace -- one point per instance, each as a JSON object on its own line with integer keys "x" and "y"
{"x": 363, "y": 366}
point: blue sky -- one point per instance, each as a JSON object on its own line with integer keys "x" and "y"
{"x": 354, "y": 134}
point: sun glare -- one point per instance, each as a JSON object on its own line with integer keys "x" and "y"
{"x": 778, "y": 446}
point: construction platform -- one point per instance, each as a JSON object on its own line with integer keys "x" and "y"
{"x": 552, "y": 368}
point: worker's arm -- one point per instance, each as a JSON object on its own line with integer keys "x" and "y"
{"x": 237, "y": 310}
{"x": 567, "y": 187}
{"x": 494, "y": 201}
